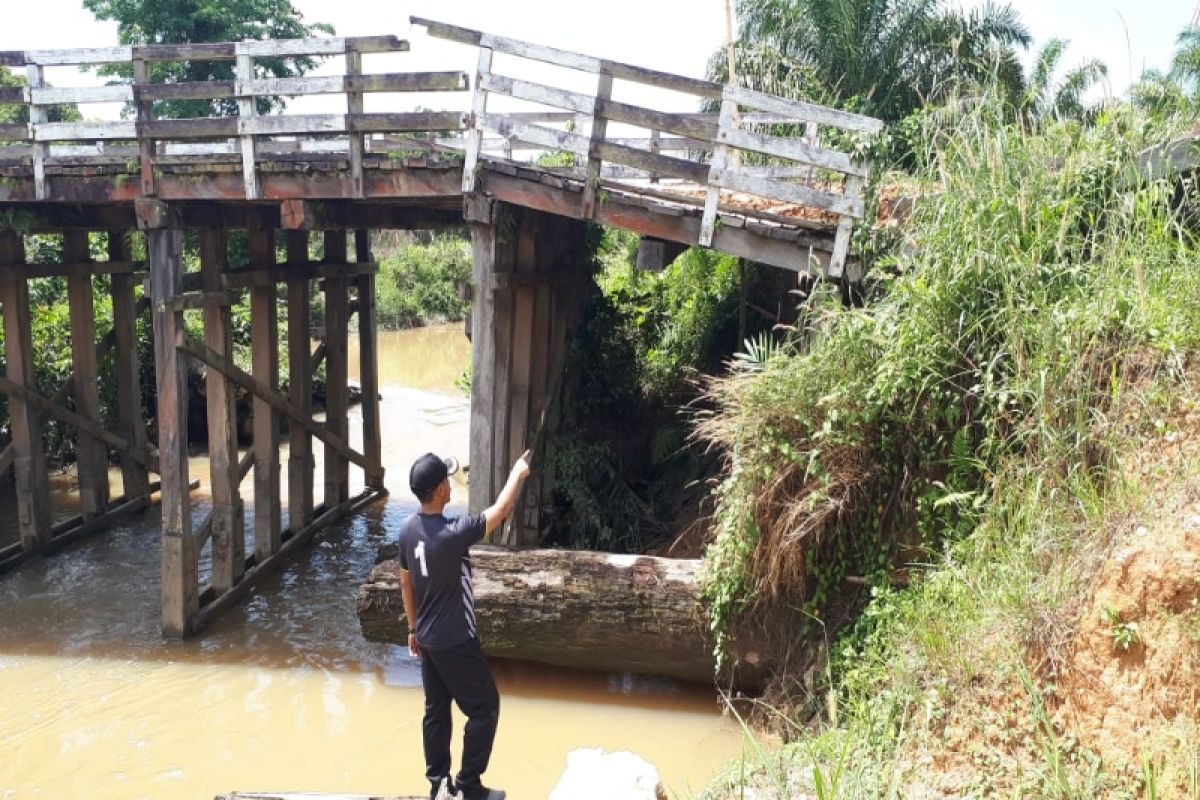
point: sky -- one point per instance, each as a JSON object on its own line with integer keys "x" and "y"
{"x": 671, "y": 35}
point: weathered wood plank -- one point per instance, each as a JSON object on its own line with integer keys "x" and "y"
{"x": 60, "y": 131}
{"x": 264, "y": 340}
{"x": 300, "y": 458}
{"x": 33, "y": 491}
{"x": 121, "y": 267}
{"x": 484, "y": 246}
{"x": 660, "y": 165}
{"x": 144, "y": 114}
{"x": 368, "y": 365}
{"x": 678, "y": 124}
{"x": 337, "y": 475}
{"x": 537, "y": 93}
{"x": 591, "y": 180}
{"x": 228, "y": 527}
{"x": 91, "y": 457}
{"x": 50, "y": 95}
{"x": 546, "y": 137}
{"x": 478, "y": 111}
{"x": 349, "y": 83}
{"x": 247, "y": 111}
{"x": 180, "y": 590}
{"x": 801, "y": 111}
{"x": 354, "y": 105}
{"x": 320, "y": 46}
{"x": 249, "y": 278}
{"x": 720, "y": 163}
{"x": 35, "y": 78}
{"x": 789, "y": 193}
{"x": 79, "y": 56}
{"x": 794, "y": 149}
{"x": 131, "y": 420}
{"x": 92, "y": 428}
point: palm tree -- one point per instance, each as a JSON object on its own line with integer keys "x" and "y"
{"x": 1045, "y": 99}
{"x": 882, "y": 57}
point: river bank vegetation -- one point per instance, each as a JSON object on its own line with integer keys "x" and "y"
{"x": 967, "y": 510}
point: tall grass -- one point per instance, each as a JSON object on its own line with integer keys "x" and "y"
{"x": 954, "y": 442}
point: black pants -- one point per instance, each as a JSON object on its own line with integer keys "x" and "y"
{"x": 459, "y": 673}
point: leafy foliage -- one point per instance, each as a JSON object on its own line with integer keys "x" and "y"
{"x": 958, "y": 435}
{"x": 418, "y": 283}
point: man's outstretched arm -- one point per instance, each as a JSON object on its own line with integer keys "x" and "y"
{"x": 498, "y": 511}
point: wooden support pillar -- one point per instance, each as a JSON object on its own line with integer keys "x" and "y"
{"x": 228, "y": 528}
{"x": 264, "y": 345}
{"x": 527, "y": 291}
{"x": 368, "y": 367}
{"x": 337, "y": 468}
{"x": 180, "y": 595}
{"x": 300, "y": 459}
{"x": 91, "y": 454}
{"x": 33, "y": 492}
{"x": 131, "y": 420}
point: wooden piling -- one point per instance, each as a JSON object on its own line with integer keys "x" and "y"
{"x": 91, "y": 455}
{"x": 180, "y": 595}
{"x": 33, "y": 491}
{"x": 300, "y": 459}
{"x": 337, "y": 469}
{"x": 264, "y": 338}
{"x": 368, "y": 360}
{"x": 131, "y": 420}
{"x": 228, "y": 527}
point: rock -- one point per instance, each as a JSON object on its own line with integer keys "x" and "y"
{"x": 593, "y": 774}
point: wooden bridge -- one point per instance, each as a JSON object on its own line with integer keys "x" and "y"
{"x": 771, "y": 180}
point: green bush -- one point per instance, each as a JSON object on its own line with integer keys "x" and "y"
{"x": 962, "y": 426}
{"x": 418, "y": 283}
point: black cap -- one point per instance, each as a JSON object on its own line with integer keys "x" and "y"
{"x": 428, "y": 472}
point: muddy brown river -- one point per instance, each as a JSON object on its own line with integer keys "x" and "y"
{"x": 282, "y": 693}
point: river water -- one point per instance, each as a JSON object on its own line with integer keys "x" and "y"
{"x": 282, "y": 693}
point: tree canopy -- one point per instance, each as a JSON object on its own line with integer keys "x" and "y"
{"x": 185, "y": 21}
{"x": 882, "y": 57}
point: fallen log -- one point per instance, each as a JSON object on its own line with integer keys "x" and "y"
{"x": 570, "y": 608}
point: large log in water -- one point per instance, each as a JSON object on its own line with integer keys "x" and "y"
{"x": 581, "y": 609}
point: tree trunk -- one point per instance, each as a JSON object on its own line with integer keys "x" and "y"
{"x": 589, "y": 610}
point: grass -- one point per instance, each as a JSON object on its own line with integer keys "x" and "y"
{"x": 957, "y": 443}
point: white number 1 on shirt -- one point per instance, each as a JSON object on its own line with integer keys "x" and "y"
{"x": 419, "y": 555}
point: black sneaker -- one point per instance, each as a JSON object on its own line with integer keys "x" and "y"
{"x": 480, "y": 793}
{"x": 443, "y": 791}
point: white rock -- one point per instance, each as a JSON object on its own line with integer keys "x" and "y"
{"x": 593, "y": 774}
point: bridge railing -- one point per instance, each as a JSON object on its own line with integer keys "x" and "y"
{"x": 832, "y": 179}
{"x": 247, "y": 134}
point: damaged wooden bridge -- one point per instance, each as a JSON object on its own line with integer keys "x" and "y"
{"x": 763, "y": 178}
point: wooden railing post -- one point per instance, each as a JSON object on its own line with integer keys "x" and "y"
{"x": 354, "y": 105}
{"x": 841, "y": 242}
{"x": 126, "y": 369}
{"x": 247, "y": 110}
{"x": 228, "y": 527}
{"x": 35, "y": 78}
{"x": 145, "y": 115}
{"x": 33, "y": 491}
{"x": 91, "y": 454}
{"x": 300, "y": 459}
{"x": 475, "y": 134}
{"x": 720, "y": 162}
{"x": 591, "y": 183}
{"x": 180, "y": 591}
{"x": 264, "y": 345}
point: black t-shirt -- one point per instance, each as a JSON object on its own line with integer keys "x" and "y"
{"x": 433, "y": 549}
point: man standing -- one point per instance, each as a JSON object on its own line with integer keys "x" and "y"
{"x": 439, "y": 602}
